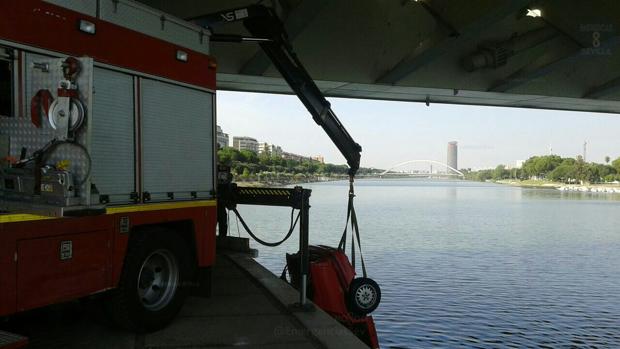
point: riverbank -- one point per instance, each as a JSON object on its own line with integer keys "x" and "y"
{"x": 265, "y": 184}
{"x": 529, "y": 183}
{"x": 542, "y": 184}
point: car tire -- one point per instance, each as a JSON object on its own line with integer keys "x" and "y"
{"x": 363, "y": 297}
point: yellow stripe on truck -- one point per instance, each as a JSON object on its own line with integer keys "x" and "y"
{"x": 13, "y": 218}
{"x": 160, "y": 206}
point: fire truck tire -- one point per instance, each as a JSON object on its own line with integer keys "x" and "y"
{"x": 152, "y": 288}
{"x": 364, "y": 296}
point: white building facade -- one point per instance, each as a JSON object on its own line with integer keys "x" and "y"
{"x": 222, "y": 138}
{"x": 245, "y": 143}
{"x": 269, "y": 149}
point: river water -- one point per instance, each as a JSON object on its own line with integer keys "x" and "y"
{"x": 474, "y": 265}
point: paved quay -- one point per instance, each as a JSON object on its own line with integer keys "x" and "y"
{"x": 249, "y": 308}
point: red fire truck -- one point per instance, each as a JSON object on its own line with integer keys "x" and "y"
{"x": 107, "y": 139}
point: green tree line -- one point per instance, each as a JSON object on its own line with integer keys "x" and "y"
{"x": 554, "y": 168}
{"x": 246, "y": 164}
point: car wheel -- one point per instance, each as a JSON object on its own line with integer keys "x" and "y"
{"x": 364, "y": 296}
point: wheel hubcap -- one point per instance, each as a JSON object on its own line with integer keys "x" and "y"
{"x": 365, "y": 296}
{"x": 158, "y": 280}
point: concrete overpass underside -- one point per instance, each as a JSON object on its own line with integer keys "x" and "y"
{"x": 479, "y": 52}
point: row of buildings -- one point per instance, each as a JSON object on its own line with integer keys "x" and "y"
{"x": 251, "y": 144}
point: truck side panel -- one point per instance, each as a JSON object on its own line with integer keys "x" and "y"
{"x": 34, "y": 272}
{"x": 23, "y": 230}
{"x": 61, "y": 267}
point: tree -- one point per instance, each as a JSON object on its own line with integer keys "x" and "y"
{"x": 555, "y": 168}
{"x": 607, "y": 159}
{"x": 581, "y": 169}
{"x": 224, "y": 157}
{"x": 500, "y": 172}
{"x": 248, "y": 156}
{"x": 246, "y": 173}
{"x": 616, "y": 164}
{"x": 560, "y": 173}
{"x": 546, "y": 164}
{"x": 603, "y": 171}
{"x": 311, "y": 166}
{"x": 541, "y": 165}
{"x": 264, "y": 159}
{"x": 237, "y": 167}
{"x": 564, "y": 172}
{"x": 528, "y": 166}
{"x": 227, "y": 156}
{"x": 609, "y": 178}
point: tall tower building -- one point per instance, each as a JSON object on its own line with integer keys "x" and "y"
{"x": 453, "y": 155}
{"x": 585, "y": 150}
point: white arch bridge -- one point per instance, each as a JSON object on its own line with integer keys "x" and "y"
{"x": 450, "y": 171}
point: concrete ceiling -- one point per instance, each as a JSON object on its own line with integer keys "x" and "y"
{"x": 414, "y": 50}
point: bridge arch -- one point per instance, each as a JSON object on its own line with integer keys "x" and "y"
{"x": 424, "y": 161}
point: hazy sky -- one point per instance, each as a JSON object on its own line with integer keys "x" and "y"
{"x": 393, "y": 132}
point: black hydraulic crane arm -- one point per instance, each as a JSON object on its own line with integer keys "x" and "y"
{"x": 268, "y": 30}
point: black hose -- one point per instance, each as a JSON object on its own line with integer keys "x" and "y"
{"x": 263, "y": 242}
{"x": 76, "y": 144}
{"x": 42, "y": 154}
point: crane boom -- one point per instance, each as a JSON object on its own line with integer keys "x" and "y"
{"x": 268, "y": 30}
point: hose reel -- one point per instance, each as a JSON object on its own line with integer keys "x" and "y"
{"x": 66, "y": 114}
{"x": 62, "y": 117}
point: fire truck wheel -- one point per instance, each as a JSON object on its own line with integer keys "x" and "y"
{"x": 364, "y": 296}
{"x": 151, "y": 292}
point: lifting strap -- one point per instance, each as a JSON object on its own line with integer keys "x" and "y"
{"x": 355, "y": 231}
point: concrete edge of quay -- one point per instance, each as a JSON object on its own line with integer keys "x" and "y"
{"x": 318, "y": 324}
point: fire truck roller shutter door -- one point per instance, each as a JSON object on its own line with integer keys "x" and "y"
{"x": 112, "y": 141}
{"x": 177, "y": 141}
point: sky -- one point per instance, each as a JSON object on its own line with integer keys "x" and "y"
{"x": 393, "y": 132}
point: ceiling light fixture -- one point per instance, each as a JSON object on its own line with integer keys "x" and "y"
{"x": 533, "y": 12}
{"x": 87, "y": 27}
